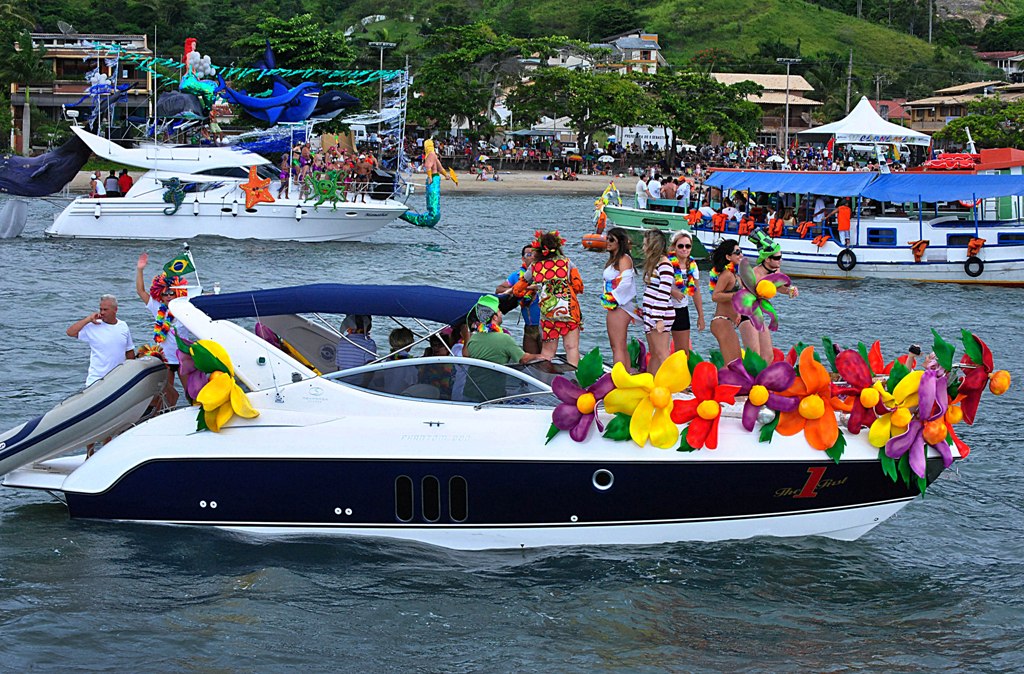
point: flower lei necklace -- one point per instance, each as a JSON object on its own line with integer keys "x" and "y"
{"x": 713, "y": 274}
{"x": 162, "y": 326}
{"x": 690, "y": 280}
{"x": 491, "y": 326}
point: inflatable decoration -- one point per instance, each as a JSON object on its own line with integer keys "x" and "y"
{"x": 814, "y": 415}
{"x": 179, "y": 105}
{"x": 432, "y": 215}
{"x": 764, "y": 386}
{"x": 326, "y": 189}
{"x": 577, "y": 410}
{"x": 328, "y": 103}
{"x": 283, "y": 105}
{"x": 221, "y": 398}
{"x": 102, "y": 93}
{"x": 703, "y": 411}
{"x": 174, "y": 194}
{"x": 907, "y": 410}
{"x": 648, "y": 401}
{"x": 257, "y": 190}
{"x": 196, "y": 80}
{"x": 754, "y": 298}
{"x": 43, "y": 175}
{"x": 926, "y": 425}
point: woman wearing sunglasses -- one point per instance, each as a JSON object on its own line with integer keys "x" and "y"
{"x": 724, "y": 284}
{"x": 687, "y": 285}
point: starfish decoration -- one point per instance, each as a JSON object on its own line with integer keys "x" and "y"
{"x": 256, "y": 189}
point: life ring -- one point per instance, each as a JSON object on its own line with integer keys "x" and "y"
{"x": 974, "y": 266}
{"x": 846, "y": 259}
{"x": 595, "y": 242}
{"x": 970, "y": 204}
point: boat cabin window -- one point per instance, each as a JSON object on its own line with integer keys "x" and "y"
{"x": 1010, "y": 237}
{"x": 428, "y": 379}
{"x": 958, "y": 239}
{"x": 881, "y": 236}
{"x": 262, "y": 170}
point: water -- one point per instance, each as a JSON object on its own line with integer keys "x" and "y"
{"x": 940, "y": 587}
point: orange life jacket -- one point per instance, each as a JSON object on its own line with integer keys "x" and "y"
{"x": 804, "y": 229}
{"x": 918, "y": 248}
{"x": 775, "y": 228}
{"x": 718, "y": 222}
{"x": 974, "y": 246}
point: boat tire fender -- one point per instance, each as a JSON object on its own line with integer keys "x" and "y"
{"x": 974, "y": 266}
{"x": 846, "y": 260}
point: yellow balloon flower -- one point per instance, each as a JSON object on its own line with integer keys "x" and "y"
{"x": 648, "y": 399}
{"x": 221, "y": 398}
{"x": 903, "y": 397}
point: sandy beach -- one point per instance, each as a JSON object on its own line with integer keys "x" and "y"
{"x": 513, "y": 182}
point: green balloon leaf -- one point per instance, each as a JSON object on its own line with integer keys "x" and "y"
{"x": 618, "y": 427}
{"x": 716, "y": 358}
{"x": 590, "y": 369}
{"x": 830, "y": 352}
{"x": 922, "y": 485}
{"x": 862, "y": 349}
{"x": 753, "y": 362}
{"x": 633, "y": 348}
{"x": 888, "y": 464}
{"x": 552, "y": 432}
{"x": 896, "y": 375}
{"x": 835, "y": 452}
{"x": 971, "y": 346}
{"x": 943, "y": 351}
{"x": 904, "y": 469}
{"x": 768, "y": 430}
{"x": 201, "y": 421}
{"x": 684, "y": 445}
{"x": 206, "y": 361}
{"x": 183, "y": 346}
{"x": 693, "y": 359}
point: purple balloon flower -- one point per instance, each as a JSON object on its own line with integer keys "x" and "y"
{"x": 567, "y": 415}
{"x": 775, "y": 378}
{"x": 932, "y": 401}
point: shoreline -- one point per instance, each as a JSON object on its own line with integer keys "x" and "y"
{"x": 513, "y": 182}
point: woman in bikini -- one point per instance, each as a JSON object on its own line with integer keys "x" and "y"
{"x": 725, "y": 284}
{"x": 619, "y": 293}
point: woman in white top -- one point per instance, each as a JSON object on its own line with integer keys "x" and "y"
{"x": 619, "y": 293}
{"x": 165, "y": 327}
{"x": 96, "y": 189}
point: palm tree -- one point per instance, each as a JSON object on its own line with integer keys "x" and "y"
{"x": 26, "y": 66}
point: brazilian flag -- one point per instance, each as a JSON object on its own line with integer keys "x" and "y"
{"x": 179, "y": 266}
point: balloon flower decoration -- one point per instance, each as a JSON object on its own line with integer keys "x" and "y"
{"x": 221, "y": 398}
{"x": 647, "y": 400}
{"x": 755, "y": 297}
{"x": 577, "y": 411}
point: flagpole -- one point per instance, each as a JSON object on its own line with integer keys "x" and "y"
{"x": 195, "y": 270}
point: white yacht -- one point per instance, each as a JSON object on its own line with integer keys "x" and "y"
{"x": 190, "y": 191}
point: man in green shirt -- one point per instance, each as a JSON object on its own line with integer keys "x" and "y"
{"x": 494, "y": 345}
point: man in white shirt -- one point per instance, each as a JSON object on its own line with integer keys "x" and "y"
{"x": 705, "y": 209}
{"x": 654, "y": 188}
{"x": 641, "y": 192}
{"x": 109, "y": 339}
{"x": 683, "y": 194}
{"x": 819, "y": 210}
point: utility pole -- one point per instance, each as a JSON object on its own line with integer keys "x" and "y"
{"x": 859, "y": 4}
{"x": 788, "y": 62}
{"x": 930, "y": 12}
{"x": 849, "y": 81}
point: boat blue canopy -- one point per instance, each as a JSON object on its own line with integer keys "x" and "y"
{"x": 896, "y": 187}
{"x": 792, "y": 182}
{"x": 423, "y": 302}
{"x": 932, "y": 187}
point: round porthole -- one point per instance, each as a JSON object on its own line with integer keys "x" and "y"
{"x": 603, "y": 479}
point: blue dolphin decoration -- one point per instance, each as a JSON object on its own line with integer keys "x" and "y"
{"x": 45, "y": 174}
{"x": 283, "y": 105}
{"x": 329, "y": 104}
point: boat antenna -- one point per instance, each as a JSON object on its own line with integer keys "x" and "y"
{"x": 270, "y": 361}
{"x": 195, "y": 270}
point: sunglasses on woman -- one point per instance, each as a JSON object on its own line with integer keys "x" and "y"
{"x": 684, "y": 245}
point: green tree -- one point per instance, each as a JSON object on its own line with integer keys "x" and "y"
{"x": 592, "y": 101}
{"x": 25, "y": 66}
{"x": 993, "y": 123}
{"x": 693, "y": 106}
{"x": 468, "y": 68}
{"x": 299, "y": 42}
{"x": 1003, "y": 36}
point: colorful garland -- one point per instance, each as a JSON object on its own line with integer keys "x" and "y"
{"x": 714, "y": 274}
{"x": 690, "y": 278}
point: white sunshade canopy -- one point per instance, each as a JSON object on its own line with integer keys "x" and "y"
{"x": 864, "y": 125}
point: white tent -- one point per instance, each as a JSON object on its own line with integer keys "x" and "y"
{"x": 864, "y": 125}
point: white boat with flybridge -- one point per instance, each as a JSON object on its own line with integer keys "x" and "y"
{"x": 470, "y": 454}
{"x": 199, "y": 190}
{"x": 948, "y": 227}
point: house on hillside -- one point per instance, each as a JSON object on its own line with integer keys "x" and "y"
{"x": 933, "y": 113}
{"x": 634, "y": 51}
{"x": 71, "y": 56}
{"x": 1010, "y": 62}
{"x": 773, "y": 104}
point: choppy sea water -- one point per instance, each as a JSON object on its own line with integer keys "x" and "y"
{"x": 940, "y": 587}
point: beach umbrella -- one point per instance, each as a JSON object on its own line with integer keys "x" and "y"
{"x": 483, "y": 158}
{"x": 606, "y": 158}
{"x": 575, "y": 157}
{"x": 775, "y": 159}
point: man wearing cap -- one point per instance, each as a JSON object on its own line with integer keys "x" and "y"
{"x": 489, "y": 341}
{"x": 361, "y": 180}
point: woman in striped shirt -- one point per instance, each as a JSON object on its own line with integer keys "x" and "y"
{"x": 659, "y": 280}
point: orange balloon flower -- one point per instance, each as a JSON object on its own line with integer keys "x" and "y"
{"x": 815, "y": 415}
